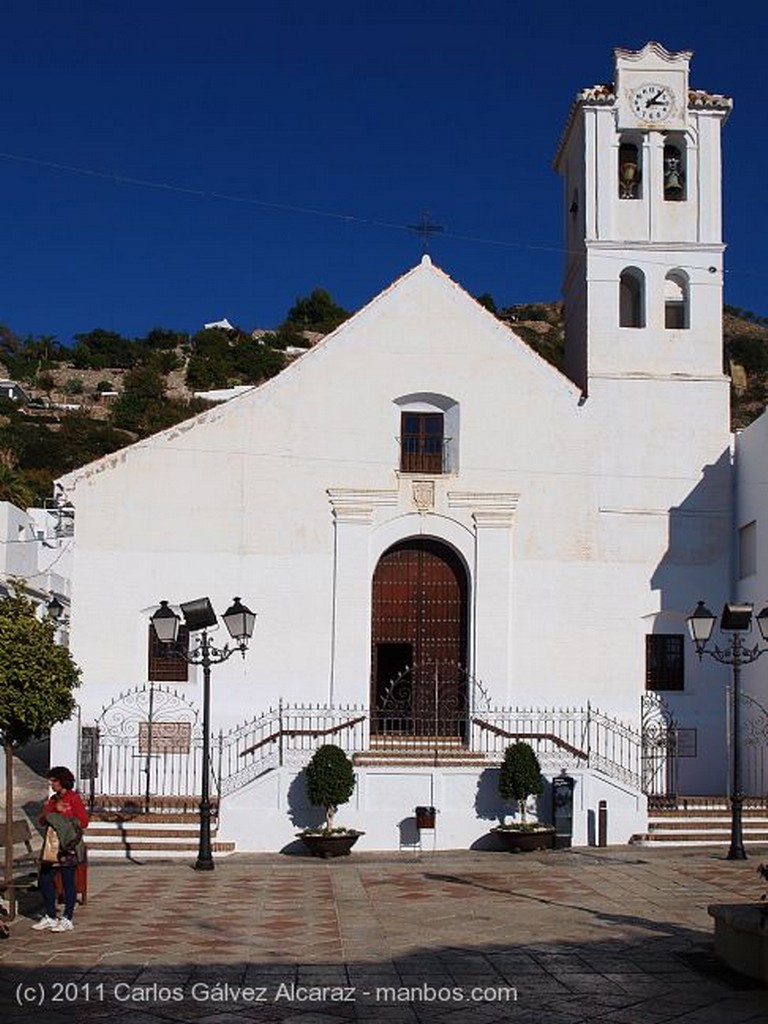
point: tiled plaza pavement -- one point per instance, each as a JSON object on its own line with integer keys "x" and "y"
{"x": 619, "y": 936}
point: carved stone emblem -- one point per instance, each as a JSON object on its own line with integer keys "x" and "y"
{"x": 424, "y": 495}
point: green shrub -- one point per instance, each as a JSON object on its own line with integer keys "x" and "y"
{"x": 330, "y": 780}
{"x": 520, "y": 775}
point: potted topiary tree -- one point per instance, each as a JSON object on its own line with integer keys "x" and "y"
{"x": 519, "y": 779}
{"x": 330, "y": 782}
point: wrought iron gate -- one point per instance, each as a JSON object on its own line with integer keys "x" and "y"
{"x": 755, "y": 739}
{"x": 659, "y": 747}
{"x": 428, "y": 700}
{"x": 149, "y": 744}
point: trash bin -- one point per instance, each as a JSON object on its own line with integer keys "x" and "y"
{"x": 562, "y": 809}
{"x": 425, "y": 817}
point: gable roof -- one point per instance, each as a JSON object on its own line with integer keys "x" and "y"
{"x": 424, "y": 286}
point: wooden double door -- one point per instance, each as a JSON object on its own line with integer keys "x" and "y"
{"x": 419, "y": 636}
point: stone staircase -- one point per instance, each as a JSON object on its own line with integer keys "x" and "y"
{"x": 701, "y": 821}
{"x": 123, "y": 828}
{"x": 413, "y": 751}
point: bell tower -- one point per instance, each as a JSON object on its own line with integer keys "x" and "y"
{"x": 640, "y": 162}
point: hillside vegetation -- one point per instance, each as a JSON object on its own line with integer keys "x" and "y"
{"x": 107, "y": 391}
{"x": 745, "y": 350}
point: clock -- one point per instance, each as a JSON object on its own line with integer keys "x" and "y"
{"x": 652, "y": 103}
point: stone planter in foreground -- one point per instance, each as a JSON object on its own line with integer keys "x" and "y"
{"x": 741, "y": 937}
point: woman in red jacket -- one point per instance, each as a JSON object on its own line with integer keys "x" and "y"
{"x": 65, "y": 801}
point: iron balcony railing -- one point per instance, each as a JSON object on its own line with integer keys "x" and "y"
{"x": 424, "y": 454}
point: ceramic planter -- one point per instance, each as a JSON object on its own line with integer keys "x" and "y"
{"x": 523, "y": 841}
{"x": 331, "y": 845}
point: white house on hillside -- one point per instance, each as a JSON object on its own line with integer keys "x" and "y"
{"x": 448, "y": 543}
{"x": 36, "y": 551}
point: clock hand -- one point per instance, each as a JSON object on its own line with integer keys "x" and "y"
{"x": 654, "y": 101}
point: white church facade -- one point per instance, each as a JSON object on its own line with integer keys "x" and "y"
{"x": 448, "y": 543}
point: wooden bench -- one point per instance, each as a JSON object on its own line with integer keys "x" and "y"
{"x": 25, "y": 864}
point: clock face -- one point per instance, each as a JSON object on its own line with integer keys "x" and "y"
{"x": 652, "y": 103}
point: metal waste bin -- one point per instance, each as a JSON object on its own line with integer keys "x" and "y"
{"x": 562, "y": 809}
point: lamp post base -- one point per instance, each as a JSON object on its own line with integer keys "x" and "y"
{"x": 736, "y": 850}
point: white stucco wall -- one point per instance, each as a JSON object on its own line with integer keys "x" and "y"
{"x": 752, "y": 514}
{"x": 267, "y": 814}
{"x": 288, "y": 495}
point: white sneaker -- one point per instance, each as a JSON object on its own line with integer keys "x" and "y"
{"x": 45, "y": 922}
{"x": 63, "y": 925}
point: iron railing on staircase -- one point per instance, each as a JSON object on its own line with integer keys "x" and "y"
{"x": 163, "y": 760}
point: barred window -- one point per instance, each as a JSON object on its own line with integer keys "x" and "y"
{"x": 165, "y": 663}
{"x": 664, "y": 661}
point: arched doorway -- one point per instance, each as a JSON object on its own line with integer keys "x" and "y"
{"x": 419, "y": 641}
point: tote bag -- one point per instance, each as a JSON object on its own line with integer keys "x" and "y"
{"x": 50, "y": 851}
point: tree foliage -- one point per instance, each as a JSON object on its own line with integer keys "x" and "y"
{"x": 143, "y": 388}
{"x": 749, "y": 351}
{"x": 330, "y": 780}
{"x": 43, "y": 451}
{"x": 25, "y": 358}
{"x": 487, "y": 300}
{"x": 520, "y": 775}
{"x": 37, "y": 675}
{"x": 14, "y": 486}
{"x": 221, "y": 359}
{"x": 210, "y": 361}
{"x": 99, "y": 349}
{"x": 316, "y": 312}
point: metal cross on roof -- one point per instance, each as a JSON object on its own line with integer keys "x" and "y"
{"x": 426, "y": 228}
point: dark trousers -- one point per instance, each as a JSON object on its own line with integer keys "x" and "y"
{"x": 49, "y": 892}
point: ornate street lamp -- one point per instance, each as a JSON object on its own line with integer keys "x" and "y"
{"x": 200, "y": 616}
{"x": 736, "y": 619}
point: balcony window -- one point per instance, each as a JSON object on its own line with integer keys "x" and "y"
{"x": 422, "y": 442}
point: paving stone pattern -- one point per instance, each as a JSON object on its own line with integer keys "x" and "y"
{"x": 618, "y": 936}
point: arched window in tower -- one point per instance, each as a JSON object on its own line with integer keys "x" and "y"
{"x": 676, "y": 301}
{"x": 632, "y": 298}
{"x": 630, "y": 170}
{"x": 674, "y": 171}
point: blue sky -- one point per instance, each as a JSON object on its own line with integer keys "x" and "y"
{"x": 288, "y": 145}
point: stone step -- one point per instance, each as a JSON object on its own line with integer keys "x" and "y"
{"x": 702, "y": 821}
{"x": 697, "y": 839}
{"x": 122, "y": 804}
{"x": 153, "y": 850}
{"x": 412, "y": 758}
{"x": 109, "y": 819}
{"x": 157, "y": 832}
{"x": 416, "y": 742}
{"x": 120, "y": 828}
{"x": 659, "y": 805}
{"x": 700, "y": 814}
{"x": 699, "y": 824}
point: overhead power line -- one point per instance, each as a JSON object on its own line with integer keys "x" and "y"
{"x": 349, "y": 218}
